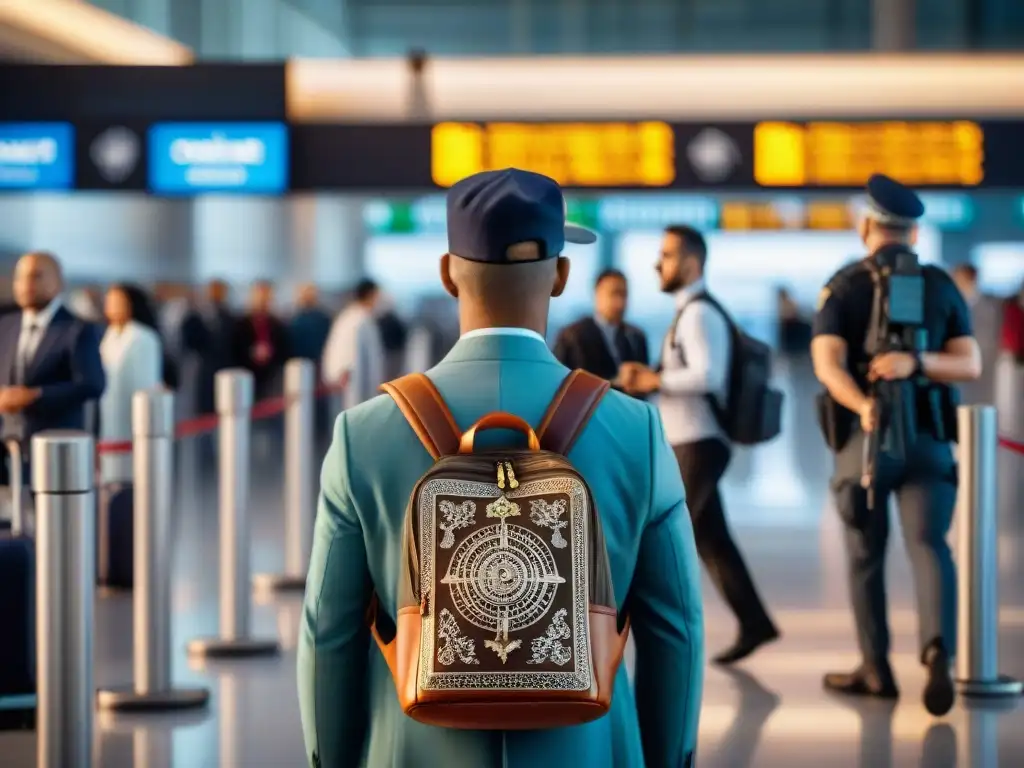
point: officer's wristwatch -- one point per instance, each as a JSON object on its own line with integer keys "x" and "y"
{"x": 918, "y": 366}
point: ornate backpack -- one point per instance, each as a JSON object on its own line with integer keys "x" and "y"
{"x": 506, "y": 612}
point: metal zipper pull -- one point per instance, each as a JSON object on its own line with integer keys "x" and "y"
{"x": 501, "y": 476}
{"x": 512, "y": 482}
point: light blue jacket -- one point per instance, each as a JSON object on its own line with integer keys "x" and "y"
{"x": 350, "y": 712}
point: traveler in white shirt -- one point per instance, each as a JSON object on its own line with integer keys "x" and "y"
{"x": 696, "y": 358}
{"x": 986, "y": 319}
{"x": 354, "y": 354}
{"x": 132, "y": 355}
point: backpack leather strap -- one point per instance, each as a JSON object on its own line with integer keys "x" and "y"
{"x": 570, "y": 410}
{"x": 425, "y": 410}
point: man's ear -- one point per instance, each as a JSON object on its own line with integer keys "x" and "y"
{"x": 446, "y": 276}
{"x": 561, "y": 276}
{"x": 863, "y": 227}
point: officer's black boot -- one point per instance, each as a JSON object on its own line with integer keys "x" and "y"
{"x": 874, "y": 680}
{"x": 939, "y": 693}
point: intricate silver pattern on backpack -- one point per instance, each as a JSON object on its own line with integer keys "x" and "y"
{"x": 498, "y": 573}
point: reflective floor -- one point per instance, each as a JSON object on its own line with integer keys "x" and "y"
{"x": 771, "y": 712}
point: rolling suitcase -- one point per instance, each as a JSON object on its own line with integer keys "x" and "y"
{"x": 115, "y": 532}
{"x": 17, "y": 609}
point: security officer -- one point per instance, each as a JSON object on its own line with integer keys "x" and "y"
{"x": 923, "y": 477}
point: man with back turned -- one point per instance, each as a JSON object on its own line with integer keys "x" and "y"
{"x": 506, "y": 234}
{"x": 922, "y": 474}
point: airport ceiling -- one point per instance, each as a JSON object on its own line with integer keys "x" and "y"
{"x": 510, "y": 27}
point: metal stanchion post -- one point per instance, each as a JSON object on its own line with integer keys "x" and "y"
{"x": 153, "y": 470}
{"x": 977, "y": 658}
{"x": 62, "y": 476}
{"x": 234, "y": 400}
{"x": 299, "y": 437}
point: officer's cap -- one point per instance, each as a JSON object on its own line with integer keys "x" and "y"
{"x": 890, "y": 203}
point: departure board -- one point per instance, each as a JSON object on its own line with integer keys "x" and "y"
{"x": 597, "y": 155}
{"x": 834, "y": 154}
{"x": 657, "y": 156}
{"x": 827, "y": 215}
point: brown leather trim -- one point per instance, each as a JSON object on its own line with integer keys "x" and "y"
{"x": 499, "y": 420}
{"x": 603, "y": 609}
{"x": 425, "y": 410}
{"x": 607, "y": 645}
{"x": 407, "y": 679}
{"x": 510, "y": 710}
{"x": 570, "y": 410}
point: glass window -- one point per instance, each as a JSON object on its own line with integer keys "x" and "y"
{"x": 406, "y": 266}
{"x": 745, "y": 270}
{"x": 1000, "y": 267}
{"x": 578, "y": 299}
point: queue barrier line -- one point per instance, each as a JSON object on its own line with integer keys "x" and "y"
{"x": 208, "y": 422}
{"x": 275, "y": 406}
{"x": 1011, "y": 445}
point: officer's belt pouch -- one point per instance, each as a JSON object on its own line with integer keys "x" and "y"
{"x": 835, "y": 422}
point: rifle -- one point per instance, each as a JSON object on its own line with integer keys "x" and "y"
{"x": 882, "y": 408}
{"x": 897, "y": 315}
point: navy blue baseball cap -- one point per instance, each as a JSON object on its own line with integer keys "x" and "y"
{"x": 890, "y": 202}
{"x": 509, "y": 217}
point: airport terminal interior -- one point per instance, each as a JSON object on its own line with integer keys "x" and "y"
{"x": 769, "y": 711}
{"x": 332, "y": 166}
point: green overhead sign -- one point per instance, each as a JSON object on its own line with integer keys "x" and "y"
{"x": 648, "y": 212}
{"x": 948, "y": 211}
{"x": 611, "y": 214}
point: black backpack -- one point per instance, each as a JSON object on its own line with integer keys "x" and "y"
{"x": 752, "y": 413}
{"x": 392, "y": 332}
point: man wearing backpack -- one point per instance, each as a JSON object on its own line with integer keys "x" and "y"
{"x": 713, "y": 390}
{"x": 452, "y": 547}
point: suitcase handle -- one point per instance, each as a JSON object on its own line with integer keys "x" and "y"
{"x": 499, "y": 420}
{"x": 17, "y": 487}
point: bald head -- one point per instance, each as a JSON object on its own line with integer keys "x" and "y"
{"x": 38, "y": 280}
{"x": 504, "y": 295}
{"x": 306, "y": 296}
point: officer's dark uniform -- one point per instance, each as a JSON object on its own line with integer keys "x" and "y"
{"x": 923, "y": 479}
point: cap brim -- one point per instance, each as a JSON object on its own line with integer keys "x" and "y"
{"x": 578, "y": 235}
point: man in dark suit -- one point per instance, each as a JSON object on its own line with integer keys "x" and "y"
{"x": 602, "y": 343}
{"x": 207, "y": 339}
{"x": 50, "y": 365}
{"x": 261, "y": 341}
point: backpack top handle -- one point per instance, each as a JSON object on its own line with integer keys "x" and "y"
{"x": 499, "y": 420}
{"x": 423, "y": 407}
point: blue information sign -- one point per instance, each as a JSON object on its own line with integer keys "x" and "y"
{"x": 37, "y": 156}
{"x": 192, "y": 158}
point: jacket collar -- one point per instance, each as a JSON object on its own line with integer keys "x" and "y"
{"x": 500, "y": 344}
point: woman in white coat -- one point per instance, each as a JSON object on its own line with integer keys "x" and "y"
{"x": 132, "y": 356}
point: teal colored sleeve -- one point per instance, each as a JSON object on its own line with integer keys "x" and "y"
{"x": 667, "y": 617}
{"x": 333, "y": 636}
